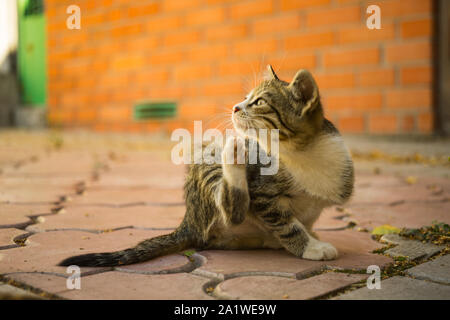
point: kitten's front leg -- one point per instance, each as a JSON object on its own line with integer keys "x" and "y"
{"x": 232, "y": 196}
{"x": 294, "y": 237}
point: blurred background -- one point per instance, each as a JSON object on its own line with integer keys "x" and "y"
{"x": 157, "y": 65}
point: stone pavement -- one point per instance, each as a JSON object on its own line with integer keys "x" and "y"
{"x": 63, "y": 194}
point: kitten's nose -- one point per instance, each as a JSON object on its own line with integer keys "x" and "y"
{"x": 236, "y": 108}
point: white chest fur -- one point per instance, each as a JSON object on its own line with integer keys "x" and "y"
{"x": 318, "y": 169}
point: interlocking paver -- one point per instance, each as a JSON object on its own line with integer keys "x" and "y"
{"x": 18, "y": 214}
{"x": 329, "y": 220}
{"x": 437, "y": 270}
{"x": 403, "y": 288}
{"x": 130, "y": 195}
{"x": 45, "y": 250}
{"x": 119, "y": 285}
{"x": 278, "y": 288}
{"x": 412, "y": 249}
{"x": 7, "y": 236}
{"x": 355, "y": 252}
{"x": 102, "y": 217}
{"x": 9, "y": 292}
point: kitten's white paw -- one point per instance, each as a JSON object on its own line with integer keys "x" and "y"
{"x": 318, "y": 250}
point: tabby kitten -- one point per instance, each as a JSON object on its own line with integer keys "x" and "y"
{"x": 233, "y": 206}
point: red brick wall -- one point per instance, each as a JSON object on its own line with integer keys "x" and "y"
{"x": 205, "y": 55}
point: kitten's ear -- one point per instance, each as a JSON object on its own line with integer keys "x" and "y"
{"x": 272, "y": 73}
{"x": 304, "y": 88}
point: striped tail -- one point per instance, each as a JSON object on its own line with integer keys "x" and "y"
{"x": 146, "y": 250}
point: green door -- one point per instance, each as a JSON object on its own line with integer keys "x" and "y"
{"x": 32, "y": 52}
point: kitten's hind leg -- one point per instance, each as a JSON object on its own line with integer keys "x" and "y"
{"x": 232, "y": 196}
{"x": 294, "y": 237}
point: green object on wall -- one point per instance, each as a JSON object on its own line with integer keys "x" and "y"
{"x": 154, "y": 110}
{"x": 32, "y": 52}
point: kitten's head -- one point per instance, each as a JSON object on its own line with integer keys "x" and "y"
{"x": 294, "y": 108}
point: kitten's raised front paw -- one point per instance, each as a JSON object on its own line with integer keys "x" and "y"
{"x": 234, "y": 152}
{"x": 318, "y": 250}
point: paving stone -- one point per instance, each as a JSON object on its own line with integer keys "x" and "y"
{"x": 8, "y": 292}
{"x": 389, "y": 193}
{"x": 403, "y": 215}
{"x": 7, "y": 236}
{"x": 328, "y": 220}
{"x": 45, "y": 250}
{"x": 437, "y": 270}
{"x": 101, "y": 218}
{"x": 123, "y": 196}
{"x": 278, "y": 288}
{"x": 411, "y": 249}
{"x": 30, "y": 192}
{"x": 156, "y": 175}
{"x": 73, "y": 164}
{"x": 355, "y": 252}
{"x": 119, "y": 285}
{"x": 400, "y": 288}
{"x": 17, "y": 214}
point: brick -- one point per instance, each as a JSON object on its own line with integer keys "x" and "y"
{"x": 143, "y": 10}
{"x": 251, "y": 8}
{"x": 408, "y": 98}
{"x": 127, "y": 30}
{"x": 408, "y": 123}
{"x": 309, "y": 40}
{"x": 84, "y": 116}
{"x": 336, "y": 80}
{"x": 258, "y": 47}
{"x": 403, "y": 52}
{"x": 181, "y": 38}
{"x": 142, "y": 43}
{"x": 399, "y": 8}
{"x": 208, "y": 52}
{"x": 416, "y": 75}
{"x": 241, "y": 67}
{"x": 166, "y": 57}
{"x": 302, "y": 4}
{"x": 374, "y": 78}
{"x": 192, "y": 72}
{"x": 353, "y": 124}
{"x": 333, "y": 16}
{"x": 370, "y": 101}
{"x": 416, "y": 28}
{"x": 127, "y": 62}
{"x": 197, "y": 109}
{"x": 226, "y": 32}
{"x": 351, "y": 57}
{"x": 152, "y": 75}
{"x": 177, "y": 5}
{"x": 294, "y": 62}
{"x": 225, "y": 88}
{"x": 112, "y": 113}
{"x": 361, "y": 34}
{"x": 114, "y": 15}
{"x": 425, "y": 123}
{"x": 205, "y": 16}
{"x": 276, "y": 24}
{"x": 383, "y": 124}
{"x": 163, "y": 23}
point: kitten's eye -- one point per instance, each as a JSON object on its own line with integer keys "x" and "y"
{"x": 260, "y": 101}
